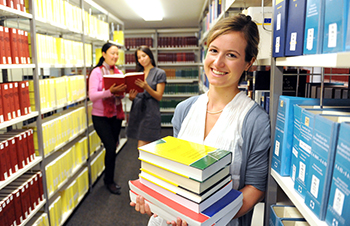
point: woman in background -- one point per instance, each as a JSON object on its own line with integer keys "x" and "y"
{"x": 107, "y": 111}
{"x": 226, "y": 118}
{"x": 145, "y": 122}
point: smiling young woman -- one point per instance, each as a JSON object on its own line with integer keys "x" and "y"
{"x": 226, "y": 118}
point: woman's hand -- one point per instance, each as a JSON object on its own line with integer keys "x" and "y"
{"x": 132, "y": 94}
{"x": 179, "y": 222}
{"x": 117, "y": 89}
{"x": 141, "y": 206}
{"x": 141, "y": 83}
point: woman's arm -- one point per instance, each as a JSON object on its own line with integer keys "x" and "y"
{"x": 156, "y": 94}
{"x": 94, "y": 83}
{"x": 251, "y": 196}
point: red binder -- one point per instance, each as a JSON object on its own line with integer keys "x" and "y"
{"x": 6, "y": 101}
{"x": 7, "y": 45}
{"x": 14, "y": 45}
{"x": 16, "y": 99}
{"x": 2, "y": 46}
{"x": 1, "y": 107}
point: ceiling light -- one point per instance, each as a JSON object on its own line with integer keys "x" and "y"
{"x": 149, "y": 10}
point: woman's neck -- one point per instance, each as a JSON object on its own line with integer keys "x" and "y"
{"x": 148, "y": 68}
{"x": 218, "y": 98}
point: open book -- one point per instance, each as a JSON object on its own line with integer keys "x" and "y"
{"x": 128, "y": 79}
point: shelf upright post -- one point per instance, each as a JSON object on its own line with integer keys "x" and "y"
{"x": 322, "y": 87}
{"x": 276, "y": 84}
{"x": 86, "y": 107}
{"x": 36, "y": 69}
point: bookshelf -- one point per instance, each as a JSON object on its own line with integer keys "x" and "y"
{"x": 176, "y": 51}
{"x": 278, "y": 184}
{"x": 63, "y": 38}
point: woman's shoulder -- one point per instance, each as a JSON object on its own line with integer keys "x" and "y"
{"x": 256, "y": 117}
{"x": 96, "y": 71}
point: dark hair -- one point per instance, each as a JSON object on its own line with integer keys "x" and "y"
{"x": 146, "y": 50}
{"x": 241, "y": 23}
{"x": 105, "y": 47}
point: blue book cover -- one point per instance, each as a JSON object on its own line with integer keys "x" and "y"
{"x": 296, "y": 129}
{"x": 323, "y": 146}
{"x": 280, "y": 27}
{"x": 335, "y": 25}
{"x": 295, "y": 28}
{"x": 314, "y": 26}
{"x": 305, "y": 142}
{"x": 339, "y": 197}
{"x": 283, "y": 141}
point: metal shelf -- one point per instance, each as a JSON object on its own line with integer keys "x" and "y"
{"x": 20, "y": 172}
{"x": 334, "y": 60}
{"x": 18, "y": 119}
{"x": 287, "y": 185}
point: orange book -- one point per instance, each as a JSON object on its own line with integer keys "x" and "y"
{"x": 12, "y": 99}
{"x": 2, "y": 46}
{"x": 14, "y": 45}
{"x": 128, "y": 79}
{"x": 7, "y": 45}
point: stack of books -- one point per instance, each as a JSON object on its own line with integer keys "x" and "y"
{"x": 188, "y": 180}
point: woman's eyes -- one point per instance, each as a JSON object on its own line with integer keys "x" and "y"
{"x": 230, "y": 55}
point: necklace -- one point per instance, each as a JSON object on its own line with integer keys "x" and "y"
{"x": 214, "y": 112}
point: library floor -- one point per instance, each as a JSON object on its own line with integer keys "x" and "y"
{"x": 101, "y": 208}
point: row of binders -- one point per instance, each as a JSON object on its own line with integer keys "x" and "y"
{"x": 312, "y": 147}
{"x": 14, "y": 47}
{"x": 16, "y": 151}
{"x": 15, "y": 4}
{"x": 310, "y": 27}
{"x": 188, "y": 180}
{"x": 14, "y": 100}
{"x": 20, "y": 198}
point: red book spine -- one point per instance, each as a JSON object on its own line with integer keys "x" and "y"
{"x": 3, "y": 166}
{"x": 26, "y": 44}
{"x": 14, "y": 45}
{"x": 25, "y": 147}
{"x": 27, "y": 96}
{"x": 12, "y": 99}
{"x": 16, "y": 99}
{"x": 40, "y": 184}
{"x": 21, "y": 96}
{"x": 18, "y": 206}
{"x": 16, "y": 4}
{"x": 6, "y": 101}
{"x": 9, "y": 211}
{"x": 9, "y": 161}
{"x": 9, "y": 3}
{"x": 30, "y": 143}
{"x": 14, "y": 156}
{"x": 20, "y": 46}
{"x": 3, "y": 2}
{"x": 35, "y": 179}
{"x": 2, "y": 46}
{"x": 20, "y": 153}
{"x": 7, "y": 45}
{"x": 23, "y": 6}
{"x": 1, "y": 107}
{"x": 2, "y": 217}
{"x": 32, "y": 194}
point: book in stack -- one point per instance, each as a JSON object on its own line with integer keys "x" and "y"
{"x": 184, "y": 179}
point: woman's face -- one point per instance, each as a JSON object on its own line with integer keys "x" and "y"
{"x": 143, "y": 58}
{"x": 225, "y": 60}
{"x": 111, "y": 56}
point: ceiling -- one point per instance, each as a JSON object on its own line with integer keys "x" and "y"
{"x": 178, "y": 14}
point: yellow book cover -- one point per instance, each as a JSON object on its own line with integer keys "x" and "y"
{"x": 118, "y": 36}
{"x": 191, "y": 159}
{"x": 52, "y": 92}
